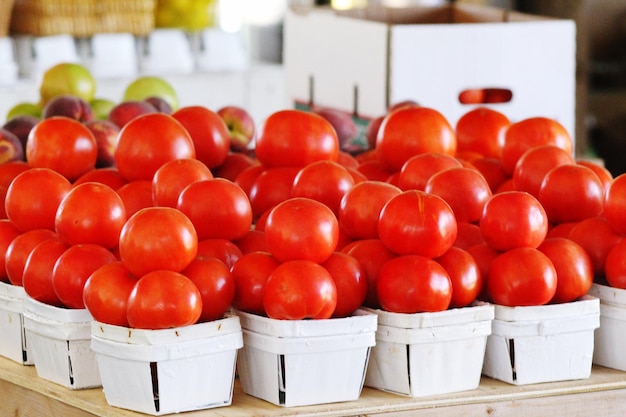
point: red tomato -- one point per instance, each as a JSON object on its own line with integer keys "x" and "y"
{"x": 252, "y": 241}
{"x": 136, "y": 195}
{"x": 417, "y": 170}
{"x": 147, "y": 142}
{"x": 8, "y": 232}
{"x": 301, "y": 229}
{"x": 360, "y": 208}
{"x": 417, "y": 223}
{"x": 481, "y": 130}
{"x": 324, "y": 181}
{"x": 295, "y": 138}
{"x": 62, "y": 144}
{"x": 350, "y": 280}
{"x": 109, "y": 176}
{"x": 374, "y": 170}
{"x": 73, "y": 268}
{"x": 464, "y": 189}
{"x": 615, "y": 204}
{"x": 106, "y": 293}
{"x": 222, "y": 249}
{"x": 372, "y": 254}
{"x": 10, "y": 170}
{"x": 513, "y": 219}
{"x": 234, "y": 164}
{"x": 37, "y": 275}
{"x": 597, "y": 237}
{"x": 467, "y": 235}
{"x": 492, "y": 170}
{"x": 615, "y": 265}
{"x": 18, "y": 250}
{"x": 246, "y": 178}
{"x": 173, "y": 176}
{"x": 413, "y": 284}
{"x": 216, "y": 284}
{"x": 91, "y": 213}
{"x": 521, "y": 277}
{"x": 347, "y": 160}
{"x": 483, "y": 254}
{"x": 271, "y": 187}
{"x": 561, "y": 230}
{"x": 250, "y": 273}
{"x": 531, "y": 132}
{"x": 467, "y": 282}
{"x": 33, "y": 198}
{"x": 209, "y": 132}
{"x": 157, "y": 238}
{"x": 574, "y": 270}
{"x": 604, "y": 174}
{"x": 570, "y": 193}
{"x": 298, "y": 290}
{"x": 410, "y": 131}
{"x": 535, "y": 163}
{"x": 163, "y": 299}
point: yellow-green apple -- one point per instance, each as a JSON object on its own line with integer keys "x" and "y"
{"x": 106, "y": 133}
{"x": 126, "y": 111}
{"x": 69, "y": 106}
{"x": 21, "y": 126}
{"x": 31, "y": 109}
{"x": 67, "y": 78}
{"x": 151, "y": 86}
{"x": 240, "y": 125}
{"x": 11, "y": 148}
{"x": 342, "y": 122}
{"x": 101, "y": 107}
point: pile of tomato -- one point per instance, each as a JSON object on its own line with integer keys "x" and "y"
{"x": 181, "y": 228}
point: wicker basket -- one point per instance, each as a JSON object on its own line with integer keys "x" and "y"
{"x": 5, "y": 16}
{"x": 82, "y": 18}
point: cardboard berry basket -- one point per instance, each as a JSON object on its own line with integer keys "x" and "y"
{"x": 429, "y": 353}
{"x": 611, "y": 335}
{"x": 58, "y": 340}
{"x": 305, "y": 362}
{"x": 168, "y": 371}
{"x": 13, "y": 340}
{"x": 547, "y": 343}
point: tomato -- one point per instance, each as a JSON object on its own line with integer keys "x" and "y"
{"x": 33, "y": 198}
{"x": 234, "y": 164}
{"x": 18, "y": 250}
{"x": 467, "y": 234}
{"x": 271, "y": 187}
{"x": 483, "y": 254}
{"x": 163, "y": 299}
{"x": 371, "y": 255}
{"x": 91, "y": 213}
{"x": 615, "y": 204}
{"x": 413, "y": 284}
{"x": 464, "y": 273}
{"x": 324, "y": 181}
{"x": 374, "y": 170}
{"x": 246, "y": 178}
{"x": 37, "y": 275}
{"x": 250, "y": 273}
{"x": 513, "y": 219}
{"x": 106, "y": 293}
{"x": 252, "y": 241}
{"x": 464, "y": 189}
{"x": 574, "y": 270}
{"x": 73, "y": 268}
{"x": 492, "y": 170}
{"x": 531, "y": 132}
{"x": 109, "y": 176}
{"x": 481, "y": 130}
{"x": 571, "y": 193}
{"x": 216, "y": 285}
{"x": 615, "y": 265}
{"x": 412, "y": 130}
{"x": 173, "y": 176}
{"x": 347, "y": 160}
{"x": 147, "y": 142}
{"x": 136, "y": 195}
{"x": 299, "y": 289}
{"x": 418, "y": 169}
{"x": 521, "y": 277}
{"x": 535, "y": 163}
{"x": 417, "y": 223}
{"x": 222, "y": 249}
{"x": 597, "y": 237}
{"x": 606, "y": 178}
{"x": 62, "y": 144}
{"x": 157, "y": 238}
{"x": 10, "y": 170}
{"x": 209, "y": 132}
{"x": 360, "y": 208}
{"x": 295, "y": 138}
{"x": 301, "y": 229}
{"x": 8, "y": 232}
{"x": 350, "y": 281}
{"x": 561, "y": 230}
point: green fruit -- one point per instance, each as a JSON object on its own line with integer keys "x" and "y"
{"x": 151, "y": 86}
{"x": 102, "y": 107}
{"x": 24, "y": 108}
{"x": 67, "y": 78}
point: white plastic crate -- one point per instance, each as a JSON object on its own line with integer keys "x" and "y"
{"x": 59, "y": 339}
{"x": 13, "y": 339}
{"x": 168, "y": 371}
{"x": 305, "y": 362}
{"x": 429, "y": 353}
{"x": 611, "y": 335}
{"x": 548, "y": 343}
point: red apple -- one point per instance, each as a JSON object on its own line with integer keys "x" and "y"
{"x": 240, "y": 125}
{"x": 126, "y": 111}
{"x": 105, "y": 133}
{"x": 342, "y": 122}
{"x": 371, "y": 131}
{"x": 160, "y": 104}
{"x": 11, "y": 148}
{"x": 21, "y": 125}
{"x": 69, "y": 106}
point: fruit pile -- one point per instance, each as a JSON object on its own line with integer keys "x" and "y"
{"x": 152, "y": 215}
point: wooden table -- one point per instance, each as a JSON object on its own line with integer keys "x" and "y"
{"x": 23, "y": 393}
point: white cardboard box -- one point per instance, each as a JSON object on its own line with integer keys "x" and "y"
{"x": 364, "y": 60}
{"x": 59, "y": 339}
{"x": 429, "y": 353}
{"x": 547, "y": 343}
{"x": 611, "y": 335}
{"x": 305, "y": 362}
{"x": 168, "y": 371}
{"x": 13, "y": 339}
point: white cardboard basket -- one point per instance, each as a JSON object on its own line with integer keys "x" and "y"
{"x": 13, "y": 339}
{"x": 305, "y": 362}
{"x": 611, "y": 335}
{"x": 429, "y": 353}
{"x": 168, "y": 371}
{"x": 59, "y": 339}
{"x": 548, "y": 343}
